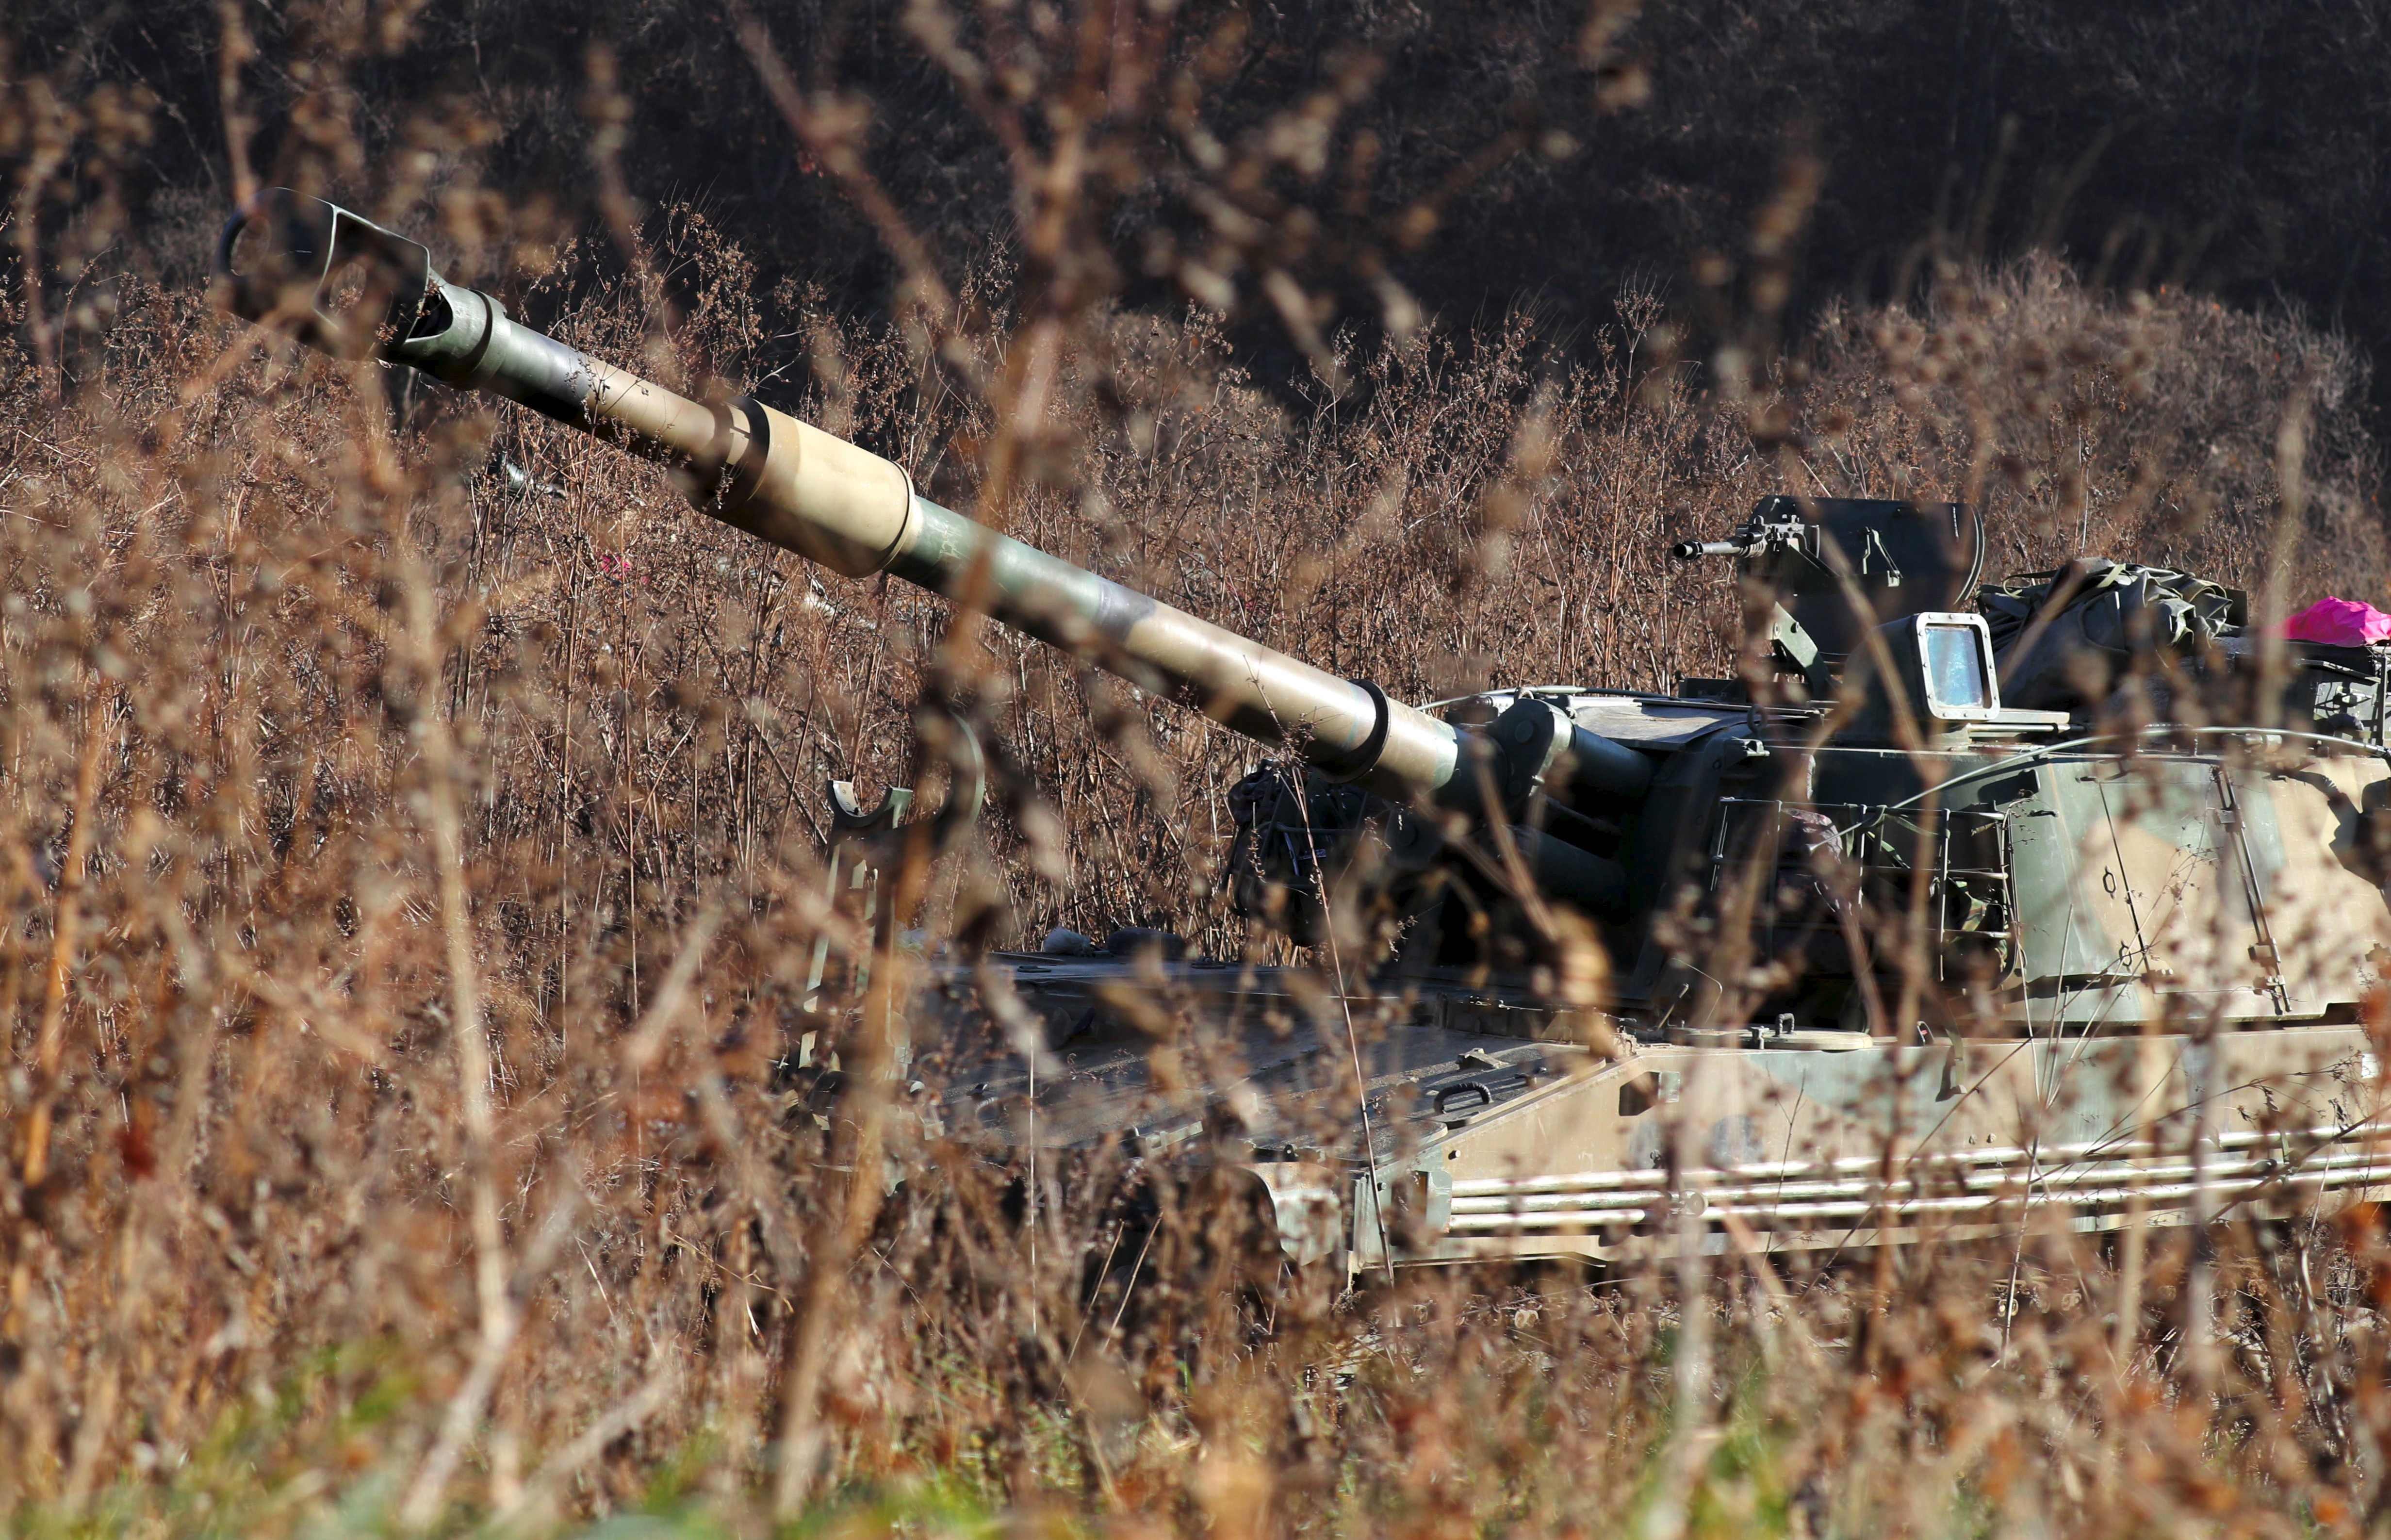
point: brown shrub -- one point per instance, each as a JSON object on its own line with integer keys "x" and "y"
{"x": 294, "y": 646}
{"x": 414, "y": 843}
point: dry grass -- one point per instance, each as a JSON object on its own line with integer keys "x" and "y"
{"x": 416, "y": 877}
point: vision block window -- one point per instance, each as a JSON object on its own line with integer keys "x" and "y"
{"x": 1956, "y": 680}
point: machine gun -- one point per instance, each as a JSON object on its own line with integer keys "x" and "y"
{"x": 1882, "y": 876}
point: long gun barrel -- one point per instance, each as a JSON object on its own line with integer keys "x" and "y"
{"x": 345, "y": 285}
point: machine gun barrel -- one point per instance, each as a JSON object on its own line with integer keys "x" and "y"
{"x": 345, "y": 285}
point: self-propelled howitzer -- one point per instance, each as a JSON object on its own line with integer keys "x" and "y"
{"x": 1816, "y": 883}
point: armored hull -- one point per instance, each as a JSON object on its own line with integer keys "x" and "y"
{"x": 2150, "y": 972}
{"x": 1485, "y": 1148}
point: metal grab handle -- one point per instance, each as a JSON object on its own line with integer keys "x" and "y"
{"x": 1446, "y": 1097}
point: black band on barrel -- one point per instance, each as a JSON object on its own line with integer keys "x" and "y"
{"x": 1360, "y": 761}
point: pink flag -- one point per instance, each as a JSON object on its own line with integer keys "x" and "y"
{"x": 2339, "y": 623}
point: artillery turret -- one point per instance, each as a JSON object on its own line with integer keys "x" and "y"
{"x": 1814, "y": 882}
